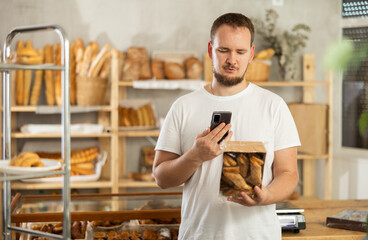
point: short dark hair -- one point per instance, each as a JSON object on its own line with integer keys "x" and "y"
{"x": 234, "y": 20}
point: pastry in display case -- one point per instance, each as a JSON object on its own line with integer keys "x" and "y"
{"x": 102, "y": 216}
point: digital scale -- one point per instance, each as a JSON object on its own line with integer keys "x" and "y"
{"x": 290, "y": 217}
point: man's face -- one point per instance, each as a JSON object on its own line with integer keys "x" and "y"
{"x": 231, "y": 53}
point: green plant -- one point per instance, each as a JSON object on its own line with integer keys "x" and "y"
{"x": 363, "y": 123}
{"x": 285, "y": 43}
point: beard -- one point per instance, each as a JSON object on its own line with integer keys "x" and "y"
{"x": 228, "y": 81}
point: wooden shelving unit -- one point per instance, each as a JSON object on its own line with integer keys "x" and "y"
{"x": 57, "y": 135}
{"x": 114, "y": 142}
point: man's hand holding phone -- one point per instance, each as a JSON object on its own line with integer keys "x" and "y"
{"x": 219, "y": 117}
{"x": 208, "y": 143}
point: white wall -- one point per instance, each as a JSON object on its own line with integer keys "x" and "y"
{"x": 184, "y": 25}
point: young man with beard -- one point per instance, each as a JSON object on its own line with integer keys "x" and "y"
{"x": 188, "y": 152}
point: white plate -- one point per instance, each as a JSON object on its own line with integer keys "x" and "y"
{"x": 101, "y": 159}
{"x": 49, "y": 165}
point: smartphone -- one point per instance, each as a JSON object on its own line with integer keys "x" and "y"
{"x": 217, "y": 118}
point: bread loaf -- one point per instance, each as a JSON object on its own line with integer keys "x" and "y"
{"x": 78, "y": 50}
{"x": 95, "y": 49}
{"x": 145, "y": 115}
{"x": 19, "y": 82}
{"x": 151, "y": 116}
{"x": 174, "y": 70}
{"x": 37, "y": 83}
{"x": 105, "y": 70}
{"x": 193, "y": 68}
{"x": 145, "y": 71}
{"x": 157, "y": 68}
{"x": 132, "y": 65}
{"x": 49, "y": 77}
{"x": 133, "y": 116}
{"x": 99, "y": 61}
{"x": 86, "y": 61}
{"x": 125, "y": 118}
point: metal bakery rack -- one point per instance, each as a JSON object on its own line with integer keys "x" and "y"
{"x": 6, "y": 178}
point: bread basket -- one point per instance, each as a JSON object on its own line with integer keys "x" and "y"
{"x": 90, "y": 90}
{"x": 258, "y": 71}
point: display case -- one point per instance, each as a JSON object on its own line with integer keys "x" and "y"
{"x": 89, "y": 207}
{"x": 100, "y": 214}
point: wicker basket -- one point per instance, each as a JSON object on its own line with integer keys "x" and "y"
{"x": 258, "y": 71}
{"x": 90, "y": 90}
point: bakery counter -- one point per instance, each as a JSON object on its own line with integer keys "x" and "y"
{"x": 100, "y": 216}
{"x": 316, "y": 212}
{"x": 157, "y": 209}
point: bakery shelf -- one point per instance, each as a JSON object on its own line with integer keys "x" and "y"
{"x": 56, "y": 135}
{"x": 9, "y": 66}
{"x": 146, "y": 133}
{"x": 129, "y": 183}
{"x": 312, "y": 156}
{"x": 292, "y": 84}
{"x": 18, "y": 185}
{"x": 73, "y": 109}
{"x": 184, "y": 84}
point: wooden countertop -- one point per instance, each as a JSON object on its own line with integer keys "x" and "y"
{"x": 316, "y": 212}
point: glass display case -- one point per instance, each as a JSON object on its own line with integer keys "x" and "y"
{"x": 90, "y": 207}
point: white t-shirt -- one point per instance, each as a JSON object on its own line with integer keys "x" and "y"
{"x": 257, "y": 115}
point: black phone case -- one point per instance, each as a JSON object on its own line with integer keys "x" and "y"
{"x": 225, "y": 116}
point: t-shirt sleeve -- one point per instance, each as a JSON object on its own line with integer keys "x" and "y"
{"x": 286, "y": 133}
{"x": 169, "y": 138}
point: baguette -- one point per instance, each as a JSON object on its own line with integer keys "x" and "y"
{"x": 140, "y": 117}
{"x": 87, "y": 165}
{"x": 19, "y": 82}
{"x": 78, "y": 50}
{"x": 99, "y": 61}
{"x": 95, "y": 48}
{"x": 49, "y": 77}
{"x": 82, "y": 171}
{"x": 124, "y": 117}
{"x": 28, "y": 74}
{"x": 145, "y": 115}
{"x": 105, "y": 70}
{"x": 78, "y": 54}
{"x": 27, "y": 86}
{"x": 72, "y": 74}
{"x": 151, "y": 116}
{"x": 58, "y": 75}
{"x": 86, "y": 61}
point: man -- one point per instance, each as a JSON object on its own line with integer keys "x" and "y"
{"x": 188, "y": 155}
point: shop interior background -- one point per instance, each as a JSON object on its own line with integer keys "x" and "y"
{"x": 184, "y": 25}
